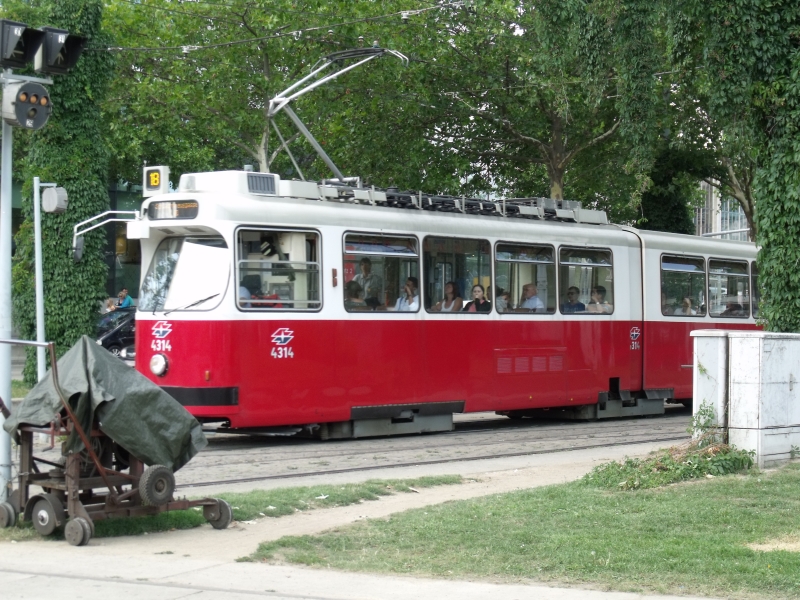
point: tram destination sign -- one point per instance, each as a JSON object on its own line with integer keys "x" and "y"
{"x": 173, "y": 209}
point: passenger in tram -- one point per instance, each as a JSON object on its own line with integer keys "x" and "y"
{"x": 451, "y": 302}
{"x": 530, "y": 301}
{"x": 573, "y": 303}
{"x": 352, "y": 296}
{"x": 244, "y": 297}
{"x": 371, "y": 284}
{"x": 598, "y": 303}
{"x": 503, "y": 300}
{"x": 686, "y": 308}
{"x": 479, "y": 302}
{"x": 733, "y": 309}
{"x": 665, "y": 307}
{"x": 409, "y": 301}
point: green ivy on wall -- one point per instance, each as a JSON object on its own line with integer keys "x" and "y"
{"x": 71, "y": 152}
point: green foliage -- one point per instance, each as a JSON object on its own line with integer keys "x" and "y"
{"x": 70, "y": 151}
{"x": 669, "y": 467}
{"x": 667, "y": 203}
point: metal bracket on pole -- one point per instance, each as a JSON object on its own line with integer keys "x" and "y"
{"x": 281, "y": 101}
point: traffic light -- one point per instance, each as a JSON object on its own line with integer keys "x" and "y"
{"x": 59, "y": 51}
{"x": 18, "y": 43}
{"x": 26, "y": 104}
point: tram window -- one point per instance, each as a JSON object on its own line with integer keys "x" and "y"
{"x": 756, "y": 291}
{"x": 377, "y": 269}
{"x": 683, "y": 286}
{"x": 187, "y": 273}
{"x": 525, "y": 279}
{"x": 728, "y": 289}
{"x": 588, "y": 275}
{"x": 277, "y": 270}
{"x": 463, "y": 264}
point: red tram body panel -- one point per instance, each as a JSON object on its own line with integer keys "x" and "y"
{"x": 304, "y": 306}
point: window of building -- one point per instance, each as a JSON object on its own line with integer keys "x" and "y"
{"x": 683, "y": 286}
{"x": 586, "y": 273}
{"x": 728, "y": 289}
{"x": 461, "y": 265}
{"x": 525, "y": 279}
{"x": 756, "y": 291}
{"x": 381, "y": 272}
{"x": 186, "y": 273}
{"x": 278, "y": 270}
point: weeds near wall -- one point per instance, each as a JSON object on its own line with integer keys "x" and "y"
{"x": 705, "y": 456}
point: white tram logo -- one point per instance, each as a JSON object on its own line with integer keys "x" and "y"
{"x": 282, "y": 336}
{"x": 635, "y": 333}
{"x": 162, "y": 329}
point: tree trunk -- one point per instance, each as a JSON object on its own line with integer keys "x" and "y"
{"x": 263, "y": 161}
{"x": 556, "y": 181}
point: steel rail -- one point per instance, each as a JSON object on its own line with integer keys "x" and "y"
{"x": 421, "y": 462}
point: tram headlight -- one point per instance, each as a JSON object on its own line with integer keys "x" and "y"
{"x": 159, "y": 365}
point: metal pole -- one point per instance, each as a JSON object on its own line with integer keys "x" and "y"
{"x": 314, "y": 143}
{"x": 41, "y": 369}
{"x": 5, "y": 303}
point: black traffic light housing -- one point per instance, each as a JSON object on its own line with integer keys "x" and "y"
{"x": 59, "y": 51}
{"x": 18, "y": 44}
{"x": 26, "y": 104}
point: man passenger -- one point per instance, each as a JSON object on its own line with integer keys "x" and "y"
{"x": 371, "y": 284}
{"x": 573, "y": 303}
{"x": 598, "y": 303}
{"x": 530, "y": 299}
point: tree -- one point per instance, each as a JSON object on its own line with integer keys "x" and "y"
{"x": 69, "y": 150}
{"x": 748, "y": 52}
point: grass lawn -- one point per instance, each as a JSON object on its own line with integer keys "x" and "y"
{"x": 19, "y": 389}
{"x": 257, "y": 504}
{"x": 687, "y": 538}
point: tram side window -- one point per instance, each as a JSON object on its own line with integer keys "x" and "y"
{"x": 683, "y": 286}
{"x": 463, "y": 264}
{"x": 756, "y": 291}
{"x": 728, "y": 289}
{"x": 278, "y": 270}
{"x": 380, "y": 272}
{"x": 525, "y": 279}
{"x": 588, "y": 275}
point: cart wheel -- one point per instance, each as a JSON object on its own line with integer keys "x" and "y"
{"x": 8, "y": 516}
{"x": 78, "y": 532}
{"x": 48, "y": 514}
{"x": 221, "y": 517}
{"x": 156, "y": 485}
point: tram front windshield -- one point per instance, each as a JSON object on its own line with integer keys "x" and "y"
{"x": 187, "y": 273}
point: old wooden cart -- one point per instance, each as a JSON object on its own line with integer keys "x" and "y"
{"x": 101, "y": 482}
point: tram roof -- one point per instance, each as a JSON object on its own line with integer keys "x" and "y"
{"x": 309, "y": 204}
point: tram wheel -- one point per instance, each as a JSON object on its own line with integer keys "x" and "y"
{"x": 220, "y": 516}
{"x": 48, "y": 514}
{"x": 156, "y": 485}
{"x": 78, "y": 532}
{"x": 8, "y": 516}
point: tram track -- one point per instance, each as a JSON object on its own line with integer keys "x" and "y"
{"x": 416, "y": 463}
{"x": 232, "y": 460}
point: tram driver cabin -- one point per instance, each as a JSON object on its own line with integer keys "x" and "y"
{"x": 248, "y": 314}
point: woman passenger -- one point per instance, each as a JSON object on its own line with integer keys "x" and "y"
{"x": 451, "y": 302}
{"x": 409, "y": 301}
{"x": 479, "y": 302}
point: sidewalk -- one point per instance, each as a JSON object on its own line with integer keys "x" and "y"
{"x": 200, "y": 563}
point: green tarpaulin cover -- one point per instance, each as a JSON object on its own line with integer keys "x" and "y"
{"x": 129, "y": 408}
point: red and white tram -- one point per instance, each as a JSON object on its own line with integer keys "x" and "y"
{"x": 279, "y": 304}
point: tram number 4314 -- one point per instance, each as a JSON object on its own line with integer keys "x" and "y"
{"x": 160, "y": 345}
{"x": 282, "y": 352}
